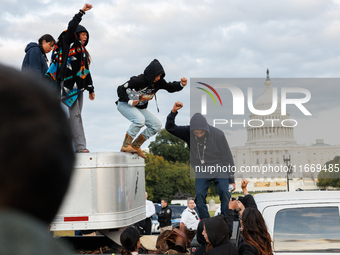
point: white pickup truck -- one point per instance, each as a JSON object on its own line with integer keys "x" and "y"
{"x": 303, "y": 222}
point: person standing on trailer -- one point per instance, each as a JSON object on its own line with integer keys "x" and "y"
{"x": 70, "y": 71}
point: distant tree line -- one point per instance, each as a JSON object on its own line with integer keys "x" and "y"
{"x": 329, "y": 176}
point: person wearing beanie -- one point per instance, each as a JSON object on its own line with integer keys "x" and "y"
{"x": 134, "y": 96}
{"x": 35, "y": 59}
{"x": 70, "y": 72}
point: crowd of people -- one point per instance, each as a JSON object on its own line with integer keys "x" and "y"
{"x": 69, "y": 76}
{"x": 214, "y": 233}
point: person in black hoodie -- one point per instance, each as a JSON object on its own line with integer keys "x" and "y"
{"x": 35, "y": 59}
{"x": 208, "y": 149}
{"x": 71, "y": 61}
{"x": 217, "y": 233}
{"x": 134, "y": 96}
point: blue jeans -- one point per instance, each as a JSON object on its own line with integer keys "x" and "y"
{"x": 139, "y": 118}
{"x": 202, "y": 186}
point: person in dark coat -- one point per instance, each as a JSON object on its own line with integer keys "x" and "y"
{"x": 134, "y": 96}
{"x": 208, "y": 148}
{"x": 255, "y": 236}
{"x": 164, "y": 216}
{"x": 200, "y": 239}
{"x": 217, "y": 234}
{"x": 35, "y": 59}
{"x": 71, "y": 61}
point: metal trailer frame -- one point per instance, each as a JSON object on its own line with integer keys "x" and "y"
{"x": 107, "y": 191}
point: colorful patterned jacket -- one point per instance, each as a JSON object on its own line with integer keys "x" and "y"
{"x": 74, "y": 69}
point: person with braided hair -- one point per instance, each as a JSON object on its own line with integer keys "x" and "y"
{"x": 35, "y": 58}
{"x": 256, "y": 239}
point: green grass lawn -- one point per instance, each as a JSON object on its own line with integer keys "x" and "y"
{"x": 235, "y": 195}
{"x": 217, "y": 199}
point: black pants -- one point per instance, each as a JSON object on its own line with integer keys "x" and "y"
{"x": 148, "y": 225}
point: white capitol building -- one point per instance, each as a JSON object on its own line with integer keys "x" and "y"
{"x": 266, "y": 145}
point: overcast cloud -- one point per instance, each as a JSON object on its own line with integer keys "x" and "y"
{"x": 192, "y": 39}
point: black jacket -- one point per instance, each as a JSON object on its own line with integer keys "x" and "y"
{"x": 182, "y": 132}
{"x": 213, "y": 148}
{"x": 247, "y": 249}
{"x": 164, "y": 217}
{"x": 34, "y": 59}
{"x": 145, "y": 86}
{"x": 217, "y": 150}
{"x": 219, "y": 232}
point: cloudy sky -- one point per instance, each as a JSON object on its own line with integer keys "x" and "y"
{"x": 192, "y": 39}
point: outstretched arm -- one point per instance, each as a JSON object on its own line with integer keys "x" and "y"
{"x": 182, "y": 132}
{"x": 244, "y": 184}
{"x": 173, "y": 86}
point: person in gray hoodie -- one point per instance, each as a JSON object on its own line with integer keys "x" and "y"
{"x": 35, "y": 59}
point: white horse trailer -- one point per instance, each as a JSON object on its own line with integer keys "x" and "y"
{"x": 107, "y": 191}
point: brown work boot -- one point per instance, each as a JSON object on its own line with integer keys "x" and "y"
{"x": 136, "y": 145}
{"x": 127, "y": 145}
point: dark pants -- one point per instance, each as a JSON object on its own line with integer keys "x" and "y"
{"x": 148, "y": 226}
{"x": 202, "y": 186}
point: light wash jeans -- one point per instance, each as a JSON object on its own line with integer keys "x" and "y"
{"x": 139, "y": 118}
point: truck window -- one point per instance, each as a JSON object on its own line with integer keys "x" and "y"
{"x": 312, "y": 229}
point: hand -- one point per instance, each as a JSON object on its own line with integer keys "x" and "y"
{"x": 87, "y": 7}
{"x": 232, "y": 204}
{"x": 135, "y": 102}
{"x": 244, "y": 183}
{"x": 234, "y": 187}
{"x": 92, "y": 96}
{"x": 178, "y": 105}
{"x": 184, "y": 81}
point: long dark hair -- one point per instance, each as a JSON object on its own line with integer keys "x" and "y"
{"x": 129, "y": 239}
{"x": 255, "y": 231}
{"x": 88, "y": 57}
{"x": 48, "y": 38}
